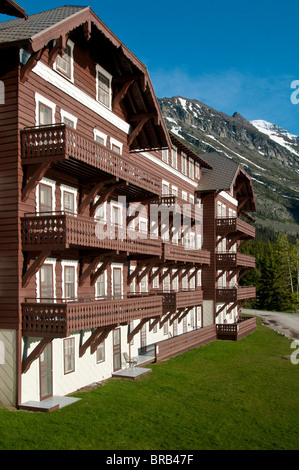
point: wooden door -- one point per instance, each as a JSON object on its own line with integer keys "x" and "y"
{"x": 116, "y": 349}
{"x": 45, "y": 371}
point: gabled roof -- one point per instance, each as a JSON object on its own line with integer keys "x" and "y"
{"x": 131, "y": 80}
{"x": 227, "y": 175}
{"x": 12, "y": 8}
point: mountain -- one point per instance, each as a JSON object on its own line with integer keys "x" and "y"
{"x": 267, "y": 152}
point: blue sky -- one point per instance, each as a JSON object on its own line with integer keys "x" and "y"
{"x": 233, "y": 56}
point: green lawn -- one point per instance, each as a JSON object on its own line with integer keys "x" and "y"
{"x": 224, "y": 395}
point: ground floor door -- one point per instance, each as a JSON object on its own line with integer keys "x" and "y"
{"x": 116, "y": 350}
{"x": 46, "y": 371}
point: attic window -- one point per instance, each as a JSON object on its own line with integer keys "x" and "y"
{"x": 64, "y": 64}
{"x": 103, "y": 84}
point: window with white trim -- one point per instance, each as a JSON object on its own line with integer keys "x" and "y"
{"x": 68, "y": 118}
{"x": 69, "y": 355}
{"x": 103, "y": 86}
{"x": 44, "y": 111}
{"x": 191, "y": 168}
{"x": 100, "y": 137}
{"x": 174, "y": 158}
{"x": 155, "y": 284}
{"x": 68, "y": 199}
{"x": 197, "y": 170}
{"x": 101, "y": 284}
{"x": 116, "y": 146}
{"x": 184, "y": 163}
{"x": 45, "y": 196}
{"x": 100, "y": 354}
{"x": 165, "y": 155}
{"x": 69, "y": 279}
{"x": 64, "y": 63}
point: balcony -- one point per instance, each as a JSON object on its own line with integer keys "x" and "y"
{"x": 234, "y": 260}
{"x": 180, "y": 205}
{"x": 178, "y": 253}
{"x": 61, "y": 317}
{"x": 235, "y": 294}
{"x": 173, "y": 301}
{"x": 61, "y": 143}
{"x": 58, "y": 230}
{"x": 236, "y": 331}
{"x": 234, "y": 226}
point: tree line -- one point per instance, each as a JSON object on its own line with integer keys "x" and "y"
{"x": 276, "y": 276}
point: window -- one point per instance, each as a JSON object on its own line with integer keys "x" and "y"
{"x": 165, "y": 188}
{"x": 45, "y": 198}
{"x": 155, "y": 279}
{"x": 68, "y": 119}
{"x": 69, "y": 279}
{"x": 46, "y": 283}
{"x": 101, "y": 284}
{"x": 68, "y": 199}
{"x": 165, "y": 155}
{"x": 116, "y": 281}
{"x": 142, "y": 225}
{"x": 197, "y": 170}
{"x": 100, "y": 137}
{"x": 184, "y": 196}
{"x": 174, "y": 191}
{"x": 185, "y": 281}
{"x": 166, "y": 281}
{"x": 184, "y": 164}
{"x": 64, "y": 64}
{"x": 174, "y": 158}
{"x": 116, "y": 214}
{"x": 103, "y": 84}
{"x": 191, "y": 168}
{"x": 44, "y": 111}
{"x": 143, "y": 285}
{"x": 101, "y": 211}
{"x": 175, "y": 280}
{"x": 100, "y": 355}
{"x": 69, "y": 355}
{"x": 116, "y": 146}
{"x": 165, "y": 328}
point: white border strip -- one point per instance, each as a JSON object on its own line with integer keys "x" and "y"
{"x": 74, "y": 92}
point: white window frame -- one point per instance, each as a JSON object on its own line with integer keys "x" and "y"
{"x": 165, "y": 183}
{"x": 67, "y": 115}
{"x": 97, "y": 133}
{"x": 71, "y": 78}
{"x": 117, "y": 265}
{"x": 175, "y": 280}
{"x": 72, "y": 263}
{"x": 197, "y": 170}
{"x": 117, "y": 143}
{"x": 191, "y": 168}
{"x": 184, "y": 195}
{"x": 106, "y": 74}
{"x": 155, "y": 283}
{"x": 69, "y": 189}
{"x": 105, "y": 281}
{"x": 143, "y": 283}
{"x": 40, "y": 99}
{"x": 184, "y": 160}
{"x": 165, "y": 155}
{"x": 174, "y": 191}
{"x": 117, "y": 204}
{"x": 37, "y": 277}
{"x": 73, "y": 343}
{"x": 174, "y": 158}
{"x": 47, "y": 182}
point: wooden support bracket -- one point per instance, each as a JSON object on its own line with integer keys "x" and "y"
{"x": 35, "y": 354}
{"x": 37, "y": 263}
{"x": 35, "y": 178}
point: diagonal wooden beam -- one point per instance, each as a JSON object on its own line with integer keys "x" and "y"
{"x": 37, "y": 263}
{"x": 93, "y": 192}
{"x": 122, "y": 93}
{"x": 35, "y": 178}
{"x": 137, "y": 329}
{"x": 101, "y": 269}
{"x": 35, "y": 354}
{"x": 89, "y": 341}
{"x": 137, "y": 130}
{"x": 30, "y": 64}
{"x": 165, "y": 319}
{"x": 101, "y": 337}
{"x": 105, "y": 196}
{"x": 147, "y": 269}
{"x": 90, "y": 269}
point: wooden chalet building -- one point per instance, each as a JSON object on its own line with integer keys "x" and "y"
{"x": 117, "y": 241}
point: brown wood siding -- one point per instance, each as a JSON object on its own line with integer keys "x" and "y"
{"x": 10, "y": 179}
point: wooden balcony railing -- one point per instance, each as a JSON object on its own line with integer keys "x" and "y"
{"x": 235, "y": 294}
{"x": 60, "y": 142}
{"x": 234, "y": 225}
{"x": 232, "y": 260}
{"x": 61, "y": 231}
{"x": 173, "y": 252}
{"x": 172, "y": 301}
{"x": 177, "y": 203}
{"x": 236, "y": 331}
{"x": 60, "y": 318}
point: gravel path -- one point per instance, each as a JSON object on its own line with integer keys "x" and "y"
{"x": 286, "y": 324}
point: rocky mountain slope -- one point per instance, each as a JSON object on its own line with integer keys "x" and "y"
{"x": 268, "y": 153}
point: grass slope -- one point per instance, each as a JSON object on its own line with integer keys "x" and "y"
{"x": 224, "y": 395}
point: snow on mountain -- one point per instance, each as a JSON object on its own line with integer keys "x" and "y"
{"x": 277, "y": 134}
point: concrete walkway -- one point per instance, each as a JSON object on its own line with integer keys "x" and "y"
{"x": 286, "y": 324}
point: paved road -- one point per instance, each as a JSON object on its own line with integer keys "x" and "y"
{"x": 286, "y": 324}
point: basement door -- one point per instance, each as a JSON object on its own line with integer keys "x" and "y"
{"x": 45, "y": 373}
